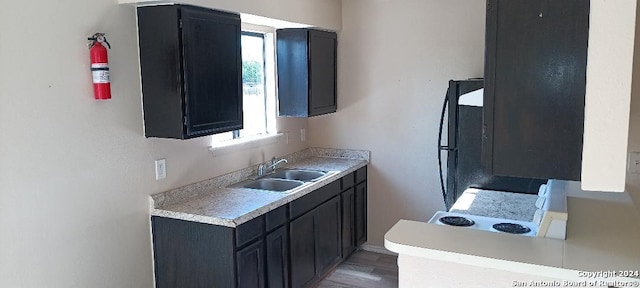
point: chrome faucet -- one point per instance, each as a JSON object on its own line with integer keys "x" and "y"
{"x": 265, "y": 168}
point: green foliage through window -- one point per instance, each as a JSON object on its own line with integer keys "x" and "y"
{"x": 251, "y": 72}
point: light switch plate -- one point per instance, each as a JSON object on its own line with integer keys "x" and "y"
{"x": 161, "y": 169}
{"x": 303, "y": 135}
{"x": 634, "y": 162}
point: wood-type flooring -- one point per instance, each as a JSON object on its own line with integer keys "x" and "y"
{"x": 364, "y": 269}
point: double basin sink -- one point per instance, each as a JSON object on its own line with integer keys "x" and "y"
{"x": 284, "y": 180}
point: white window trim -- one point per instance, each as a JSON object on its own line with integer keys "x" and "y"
{"x": 245, "y": 143}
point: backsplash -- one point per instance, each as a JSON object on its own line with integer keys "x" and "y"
{"x": 204, "y": 187}
{"x": 340, "y": 153}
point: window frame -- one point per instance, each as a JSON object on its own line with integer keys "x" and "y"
{"x": 236, "y": 133}
{"x": 270, "y": 136}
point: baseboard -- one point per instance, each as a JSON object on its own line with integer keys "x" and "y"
{"x": 377, "y": 249}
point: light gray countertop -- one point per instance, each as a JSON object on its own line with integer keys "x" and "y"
{"x": 213, "y": 202}
{"x": 496, "y": 204}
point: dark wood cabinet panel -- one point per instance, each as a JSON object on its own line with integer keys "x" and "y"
{"x": 323, "y": 71}
{"x": 348, "y": 222}
{"x": 190, "y": 64}
{"x": 328, "y": 235}
{"x": 316, "y": 243}
{"x": 535, "y": 77}
{"x": 307, "y": 72}
{"x": 190, "y": 254}
{"x": 361, "y": 174}
{"x": 312, "y": 200}
{"x": 250, "y": 262}
{"x": 276, "y": 217}
{"x": 303, "y": 250}
{"x": 361, "y": 213}
{"x": 249, "y": 231}
{"x": 348, "y": 181}
{"x": 277, "y": 258}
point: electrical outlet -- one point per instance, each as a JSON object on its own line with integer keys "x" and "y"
{"x": 161, "y": 169}
{"x": 634, "y": 162}
{"x": 286, "y": 137}
{"x": 303, "y": 135}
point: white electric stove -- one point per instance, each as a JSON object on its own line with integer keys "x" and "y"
{"x": 484, "y": 223}
{"x": 549, "y": 221}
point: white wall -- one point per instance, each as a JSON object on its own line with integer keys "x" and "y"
{"x": 75, "y": 173}
{"x": 609, "y": 73}
{"x": 633, "y": 180}
{"x": 395, "y": 59}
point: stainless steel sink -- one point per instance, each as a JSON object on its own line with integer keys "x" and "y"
{"x": 297, "y": 174}
{"x": 273, "y": 184}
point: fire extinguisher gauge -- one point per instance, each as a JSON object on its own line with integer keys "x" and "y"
{"x": 100, "y": 38}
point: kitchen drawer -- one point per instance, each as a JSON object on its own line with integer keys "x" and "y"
{"x": 276, "y": 217}
{"x": 313, "y": 199}
{"x": 348, "y": 181}
{"x": 249, "y": 231}
{"x": 361, "y": 174}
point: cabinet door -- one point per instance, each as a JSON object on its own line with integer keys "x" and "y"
{"x": 191, "y": 254}
{"x": 361, "y": 213}
{"x": 535, "y": 77}
{"x": 327, "y": 234}
{"x": 212, "y": 68}
{"x": 322, "y": 72}
{"x": 277, "y": 258}
{"x": 250, "y": 261}
{"x": 348, "y": 222}
{"x": 302, "y": 237}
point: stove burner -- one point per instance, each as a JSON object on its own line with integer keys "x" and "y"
{"x": 511, "y": 228}
{"x": 456, "y": 221}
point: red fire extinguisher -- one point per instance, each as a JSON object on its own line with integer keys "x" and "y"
{"x": 100, "y": 66}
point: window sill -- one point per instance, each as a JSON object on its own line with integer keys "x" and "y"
{"x": 245, "y": 143}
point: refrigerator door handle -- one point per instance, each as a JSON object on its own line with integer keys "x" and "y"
{"x": 443, "y": 148}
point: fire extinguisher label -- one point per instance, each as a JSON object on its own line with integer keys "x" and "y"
{"x": 100, "y": 72}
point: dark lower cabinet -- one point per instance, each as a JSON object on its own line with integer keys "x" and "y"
{"x": 354, "y": 210}
{"x": 277, "y": 258}
{"x": 361, "y": 213}
{"x": 348, "y": 221}
{"x": 250, "y": 262}
{"x": 315, "y": 243}
{"x": 303, "y": 252}
{"x": 192, "y": 255}
{"x": 328, "y": 240}
{"x": 269, "y": 251}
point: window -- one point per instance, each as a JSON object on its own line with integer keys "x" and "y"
{"x": 258, "y": 79}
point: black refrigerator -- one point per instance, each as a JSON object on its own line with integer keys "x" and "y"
{"x": 462, "y": 109}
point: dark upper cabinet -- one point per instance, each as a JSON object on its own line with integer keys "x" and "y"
{"x": 535, "y": 77}
{"x": 190, "y": 63}
{"x": 306, "y": 72}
